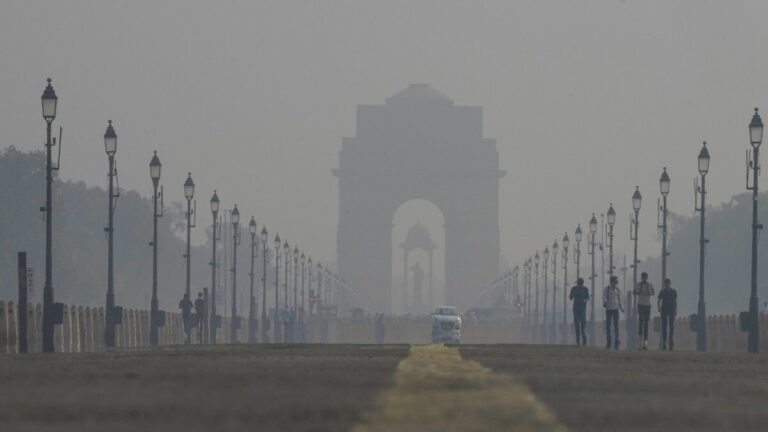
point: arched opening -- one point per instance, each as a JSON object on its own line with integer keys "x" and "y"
{"x": 418, "y": 258}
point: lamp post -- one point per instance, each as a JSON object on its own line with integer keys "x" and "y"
{"x": 634, "y": 224}
{"x": 701, "y": 190}
{"x": 264, "y": 239}
{"x": 295, "y": 311}
{"x": 252, "y": 308}
{"x": 611, "y": 218}
{"x": 544, "y": 268}
{"x": 755, "y": 138}
{"x": 319, "y": 287}
{"x": 592, "y": 277}
{"x": 310, "y": 293}
{"x": 303, "y": 259}
{"x": 286, "y": 265}
{"x": 535, "y": 325}
{"x": 189, "y": 193}
{"x": 50, "y": 102}
{"x": 276, "y": 330}
{"x": 664, "y": 189}
{"x": 110, "y": 146}
{"x": 154, "y": 314}
{"x": 553, "y": 329}
{"x": 566, "y": 243}
{"x": 234, "y": 323}
{"x": 295, "y": 278}
{"x": 577, "y": 251}
{"x": 215, "y": 233}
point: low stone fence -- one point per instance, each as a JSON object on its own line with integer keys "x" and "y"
{"x": 83, "y": 329}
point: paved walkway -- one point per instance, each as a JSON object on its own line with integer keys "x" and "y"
{"x": 436, "y": 390}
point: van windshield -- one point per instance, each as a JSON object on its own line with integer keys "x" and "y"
{"x": 446, "y": 311}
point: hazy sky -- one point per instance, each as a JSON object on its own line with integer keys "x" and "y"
{"x": 586, "y": 99}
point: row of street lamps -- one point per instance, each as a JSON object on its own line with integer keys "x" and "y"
{"x": 53, "y": 312}
{"x": 749, "y": 320}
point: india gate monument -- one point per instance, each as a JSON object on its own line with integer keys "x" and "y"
{"x": 418, "y": 145}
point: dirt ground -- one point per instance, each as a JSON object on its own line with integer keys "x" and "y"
{"x": 590, "y": 389}
{"x": 285, "y": 388}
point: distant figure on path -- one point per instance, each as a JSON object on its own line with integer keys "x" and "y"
{"x": 580, "y": 296}
{"x": 668, "y": 308}
{"x": 380, "y": 331}
{"x": 186, "y": 316}
{"x": 644, "y": 291}
{"x": 612, "y": 305}
{"x": 200, "y": 311}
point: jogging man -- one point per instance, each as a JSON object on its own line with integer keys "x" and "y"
{"x": 580, "y": 296}
{"x": 612, "y": 305}
{"x": 668, "y": 308}
{"x": 644, "y": 291}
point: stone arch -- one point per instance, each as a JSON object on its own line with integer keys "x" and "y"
{"x": 418, "y": 145}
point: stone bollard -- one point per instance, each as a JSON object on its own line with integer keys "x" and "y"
{"x": 88, "y": 329}
{"x": 75, "y": 322}
{"x": 98, "y": 329}
{"x": 38, "y": 327}
{"x": 3, "y": 328}
{"x": 13, "y": 329}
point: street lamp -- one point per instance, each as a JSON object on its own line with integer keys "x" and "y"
{"x": 295, "y": 278}
{"x": 111, "y": 320}
{"x": 287, "y": 261}
{"x": 544, "y": 268}
{"x": 264, "y": 239}
{"x": 235, "y": 322}
{"x": 565, "y": 243}
{"x": 536, "y": 301}
{"x": 319, "y": 287}
{"x": 252, "y": 308}
{"x": 277, "y": 335}
{"x": 701, "y": 191}
{"x": 189, "y": 193}
{"x": 310, "y": 293}
{"x": 303, "y": 259}
{"x": 215, "y": 233}
{"x": 662, "y": 208}
{"x": 755, "y": 138}
{"x": 51, "y": 317}
{"x": 156, "y": 317}
{"x": 592, "y": 277}
{"x": 611, "y": 218}
{"x": 553, "y": 329}
{"x": 634, "y": 224}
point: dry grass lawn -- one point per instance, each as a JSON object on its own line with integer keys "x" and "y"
{"x": 285, "y": 388}
{"x": 594, "y": 390}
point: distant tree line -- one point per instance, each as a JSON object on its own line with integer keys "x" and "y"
{"x": 80, "y": 244}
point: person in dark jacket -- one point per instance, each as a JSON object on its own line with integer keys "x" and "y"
{"x": 580, "y": 297}
{"x": 186, "y": 316}
{"x": 200, "y": 311}
{"x": 667, "y": 303}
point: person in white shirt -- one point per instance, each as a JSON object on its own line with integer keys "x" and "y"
{"x": 644, "y": 291}
{"x": 612, "y": 305}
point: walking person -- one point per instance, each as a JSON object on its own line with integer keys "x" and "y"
{"x": 200, "y": 311}
{"x": 612, "y": 305}
{"x": 580, "y": 297}
{"x": 186, "y": 316}
{"x": 644, "y": 291}
{"x": 668, "y": 308}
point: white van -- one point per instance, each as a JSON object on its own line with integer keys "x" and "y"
{"x": 446, "y": 325}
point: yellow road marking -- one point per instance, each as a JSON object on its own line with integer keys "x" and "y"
{"x": 436, "y": 390}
